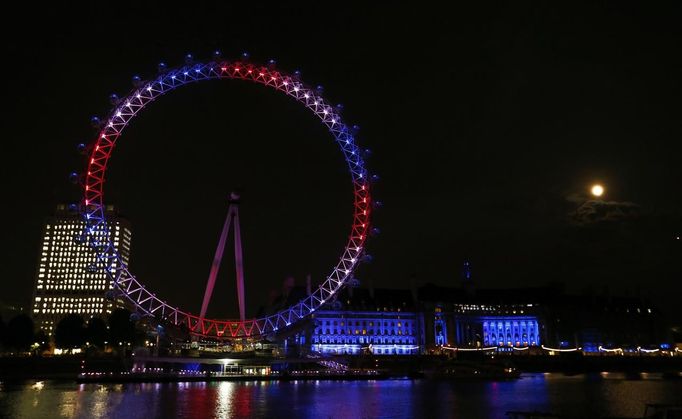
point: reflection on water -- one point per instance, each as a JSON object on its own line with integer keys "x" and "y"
{"x": 604, "y": 394}
{"x": 225, "y": 394}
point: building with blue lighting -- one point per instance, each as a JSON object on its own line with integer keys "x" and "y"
{"x": 359, "y": 321}
{"x": 516, "y": 330}
{"x": 427, "y": 319}
{"x": 379, "y": 322}
{"x": 464, "y": 317}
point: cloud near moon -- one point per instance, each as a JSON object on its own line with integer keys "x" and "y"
{"x": 597, "y": 211}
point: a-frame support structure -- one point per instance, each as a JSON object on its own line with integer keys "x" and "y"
{"x": 231, "y": 219}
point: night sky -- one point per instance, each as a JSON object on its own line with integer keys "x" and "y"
{"x": 487, "y": 127}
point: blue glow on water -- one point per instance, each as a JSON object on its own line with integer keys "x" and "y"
{"x": 598, "y": 395}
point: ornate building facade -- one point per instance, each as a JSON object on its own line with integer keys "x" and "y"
{"x": 466, "y": 318}
{"x": 379, "y": 322}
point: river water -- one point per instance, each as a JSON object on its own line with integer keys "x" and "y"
{"x": 595, "y": 395}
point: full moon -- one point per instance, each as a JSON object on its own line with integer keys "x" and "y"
{"x": 597, "y": 190}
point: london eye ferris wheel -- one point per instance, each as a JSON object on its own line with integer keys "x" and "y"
{"x": 144, "y": 93}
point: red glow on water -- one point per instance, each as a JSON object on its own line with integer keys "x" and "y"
{"x": 241, "y": 402}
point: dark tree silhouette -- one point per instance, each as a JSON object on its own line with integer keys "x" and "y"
{"x": 3, "y": 332}
{"x": 121, "y": 328}
{"x": 70, "y": 332}
{"x": 96, "y": 332}
{"x": 20, "y": 333}
{"x": 43, "y": 341}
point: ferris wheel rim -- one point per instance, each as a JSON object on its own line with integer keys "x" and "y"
{"x": 93, "y": 207}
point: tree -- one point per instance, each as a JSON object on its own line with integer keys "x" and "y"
{"x": 20, "y": 333}
{"x": 3, "y": 332}
{"x": 70, "y": 332}
{"x": 43, "y": 341}
{"x": 96, "y": 332}
{"x": 121, "y": 328}
{"x": 180, "y": 333}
